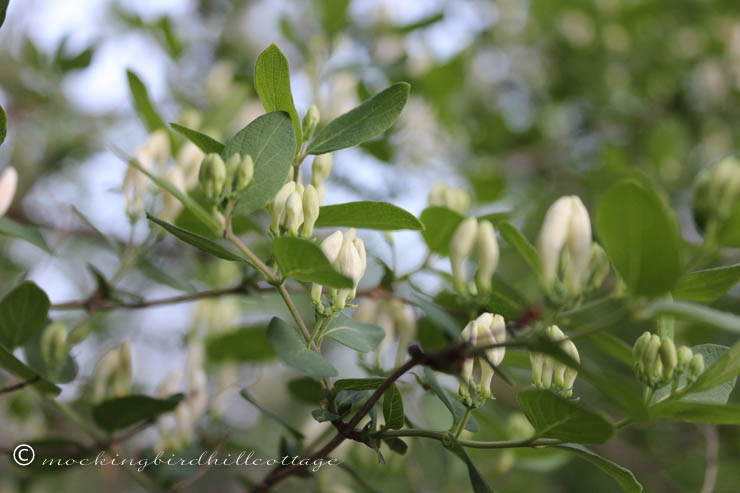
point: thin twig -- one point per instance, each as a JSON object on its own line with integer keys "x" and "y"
{"x": 19, "y": 385}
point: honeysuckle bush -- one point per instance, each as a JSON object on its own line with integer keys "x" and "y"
{"x": 503, "y": 349}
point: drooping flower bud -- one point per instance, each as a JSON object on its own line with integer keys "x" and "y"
{"x": 124, "y": 371}
{"x": 8, "y": 184}
{"x": 565, "y": 242}
{"x": 54, "y": 347}
{"x": 277, "y": 206}
{"x": 188, "y": 159}
{"x": 716, "y": 201}
{"x": 548, "y": 372}
{"x": 486, "y": 330}
{"x": 310, "y": 121}
{"x": 321, "y": 168}
{"x": 311, "y": 207}
{"x": 212, "y": 177}
{"x": 294, "y": 212}
{"x": 638, "y": 351}
{"x": 346, "y": 253}
{"x": 461, "y": 246}
{"x": 103, "y": 373}
{"x": 487, "y": 249}
{"x": 656, "y": 359}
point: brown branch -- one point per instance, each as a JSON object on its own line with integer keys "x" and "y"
{"x": 94, "y": 303}
{"x": 451, "y": 355}
{"x": 19, "y": 385}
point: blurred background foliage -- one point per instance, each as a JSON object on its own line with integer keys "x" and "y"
{"x": 520, "y": 102}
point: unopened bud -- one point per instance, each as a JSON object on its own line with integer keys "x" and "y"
{"x": 651, "y": 356}
{"x": 716, "y": 200}
{"x": 684, "y": 357}
{"x": 294, "y": 212}
{"x": 638, "y": 351}
{"x": 696, "y": 367}
{"x": 8, "y": 184}
{"x": 244, "y": 174}
{"x": 277, "y": 206}
{"x": 310, "y": 210}
{"x": 669, "y": 357}
{"x": 212, "y": 176}
{"x": 123, "y": 374}
{"x": 461, "y": 245}
{"x": 598, "y": 266}
{"x": 54, "y": 349}
{"x": 103, "y": 372}
{"x": 487, "y": 250}
{"x": 321, "y": 169}
{"x": 310, "y": 121}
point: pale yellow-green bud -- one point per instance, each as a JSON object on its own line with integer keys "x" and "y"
{"x": 598, "y": 266}
{"x": 461, "y": 246}
{"x": 316, "y": 290}
{"x": 487, "y": 251}
{"x": 638, "y": 351}
{"x": 310, "y": 210}
{"x": 310, "y": 121}
{"x": 212, "y": 176}
{"x": 79, "y": 333}
{"x": 650, "y": 359}
{"x": 103, "y": 373}
{"x": 684, "y": 357}
{"x": 669, "y": 357}
{"x": 294, "y": 212}
{"x": 54, "y": 348}
{"x": 244, "y": 174}
{"x": 696, "y": 367}
{"x": 277, "y": 206}
{"x": 716, "y": 201}
{"x": 321, "y": 169}
{"x": 123, "y": 374}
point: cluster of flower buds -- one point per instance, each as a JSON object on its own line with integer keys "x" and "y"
{"x": 225, "y": 181}
{"x": 457, "y": 199}
{"x": 716, "y": 200}
{"x": 395, "y": 317}
{"x": 570, "y": 261}
{"x": 320, "y": 171}
{"x": 346, "y": 252}
{"x": 486, "y": 330}
{"x": 657, "y": 362}
{"x": 550, "y": 373}
{"x": 54, "y": 347}
{"x": 153, "y": 157}
{"x": 113, "y": 373}
{"x": 472, "y": 236}
{"x": 295, "y": 209}
{"x": 8, "y": 184}
{"x": 192, "y": 407}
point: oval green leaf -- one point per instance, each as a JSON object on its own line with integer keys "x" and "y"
{"x": 204, "y": 142}
{"x": 122, "y": 412}
{"x": 708, "y": 285}
{"x": 304, "y": 260}
{"x": 244, "y": 344}
{"x": 8, "y": 227}
{"x": 291, "y": 349}
{"x": 23, "y": 314}
{"x": 381, "y": 216}
{"x": 439, "y": 225}
{"x": 360, "y": 336}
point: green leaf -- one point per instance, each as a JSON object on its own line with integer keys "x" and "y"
{"x": 621, "y": 475}
{"x": 369, "y": 215}
{"x": 304, "y": 260}
{"x": 3, "y": 125}
{"x": 706, "y": 286}
{"x": 122, "y": 412}
{"x": 555, "y": 417}
{"x": 192, "y": 205}
{"x": 244, "y": 344}
{"x": 697, "y": 412}
{"x": 200, "y": 242}
{"x": 397, "y": 445}
{"x": 144, "y": 106}
{"x": 204, "y": 142}
{"x": 270, "y": 140}
{"x": 23, "y": 314}
{"x": 393, "y": 408}
{"x": 693, "y": 311}
{"x": 357, "y": 384}
{"x": 440, "y": 224}
{"x": 720, "y": 370}
{"x": 516, "y": 239}
{"x": 16, "y": 367}
{"x": 370, "y": 118}
{"x": 65, "y": 372}
{"x": 438, "y": 317}
{"x": 8, "y": 227}
{"x": 272, "y": 80}
{"x": 324, "y": 415}
{"x": 360, "y": 336}
{"x": 291, "y": 349}
{"x": 641, "y": 237}
{"x": 476, "y": 480}
{"x": 306, "y": 389}
{"x": 3, "y": 10}
{"x": 272, "y": 414}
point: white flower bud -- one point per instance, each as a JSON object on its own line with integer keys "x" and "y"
{"x": 331, "y": 245}
{"x": 311, "y": 206}
{"x": 54, "y": 347}
{"x": 437, "y": 194}
{"x": 316, "y": 290}
{"x": 158, "y": 148}
{"x": 123, "y": 374}
{"x": 8, "y": 184}
{"x": 294, "y": 212}
{"x": 461, "y": 245}
{"x": 487, "y": 250}
{"x": 103, "y": 372}
{"x": 310, "y": 121}
{"x": 321, "y": 168}
{"x": 277, "y": 207}
{"x": 321, "y": 189}
{"x": 566, "y": 230}
{"x": 469, "y": 334}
